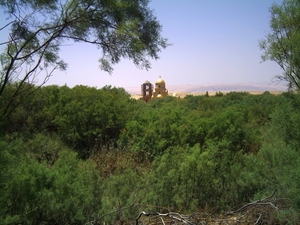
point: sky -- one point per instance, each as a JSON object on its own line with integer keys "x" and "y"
{"x": 213, "y": 42}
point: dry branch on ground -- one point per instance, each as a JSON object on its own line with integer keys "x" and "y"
{"x": 261, "y": 211}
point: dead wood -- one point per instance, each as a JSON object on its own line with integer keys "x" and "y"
{"x": 262, "y": 211}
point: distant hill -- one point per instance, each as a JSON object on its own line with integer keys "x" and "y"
{"x": 213, "y": 88}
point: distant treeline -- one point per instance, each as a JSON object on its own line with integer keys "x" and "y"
{"x": 85, "y": 155}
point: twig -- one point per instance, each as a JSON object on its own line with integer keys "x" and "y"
{"x": 178, "y": 217}
{"x": 258, "y": 219}
{"x": 257, "y": 202}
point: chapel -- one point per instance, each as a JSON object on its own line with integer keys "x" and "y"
{"x": 146, "y": 90}
{"x": 159, "y": 91}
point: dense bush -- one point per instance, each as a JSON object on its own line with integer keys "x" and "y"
{"x": 66, "y": 192}
{"x": 74, "y": 155}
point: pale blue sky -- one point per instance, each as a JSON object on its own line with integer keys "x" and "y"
{"x": 214, "y": 42}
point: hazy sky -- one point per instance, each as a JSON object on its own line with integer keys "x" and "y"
{"x": 214, "y": 42}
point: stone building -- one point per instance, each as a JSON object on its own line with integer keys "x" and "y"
{"x": 146, "y": 89}
{"x": 159, "y": 91}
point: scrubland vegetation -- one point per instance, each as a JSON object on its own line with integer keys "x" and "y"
{"x": 91, "y": 156}
{"x": 96, "y": 156}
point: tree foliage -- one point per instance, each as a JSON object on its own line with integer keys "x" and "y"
{"x": 282, "y": 45}
{"x": 37, "y": 29}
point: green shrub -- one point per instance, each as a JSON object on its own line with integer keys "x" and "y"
{"x": 68, "y": 192}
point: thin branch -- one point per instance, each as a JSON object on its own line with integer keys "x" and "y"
{"x": 257, "y": 202}
{"x": 27, "y": 75}
{"x": 6, "y": 26}
{"x": 175, "y": 216}
{"x": 26, "y": 95}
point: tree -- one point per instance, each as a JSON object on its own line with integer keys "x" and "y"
{"x": 282, "y": 45}
{"x": 37, "y": 29}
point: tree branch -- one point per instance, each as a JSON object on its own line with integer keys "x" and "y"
{"x": 175, "y": 216}
{"x": 257, "y": 202}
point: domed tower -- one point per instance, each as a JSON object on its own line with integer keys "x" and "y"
{"x": 160, "y": 89}
{"x": 146, "y": 89}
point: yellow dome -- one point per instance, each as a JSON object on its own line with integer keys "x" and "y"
{"x": 160, "y": 81}
{"x": 159, "y": 96}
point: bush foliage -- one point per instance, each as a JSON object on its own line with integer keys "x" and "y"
{"x": 85, "y": 155}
